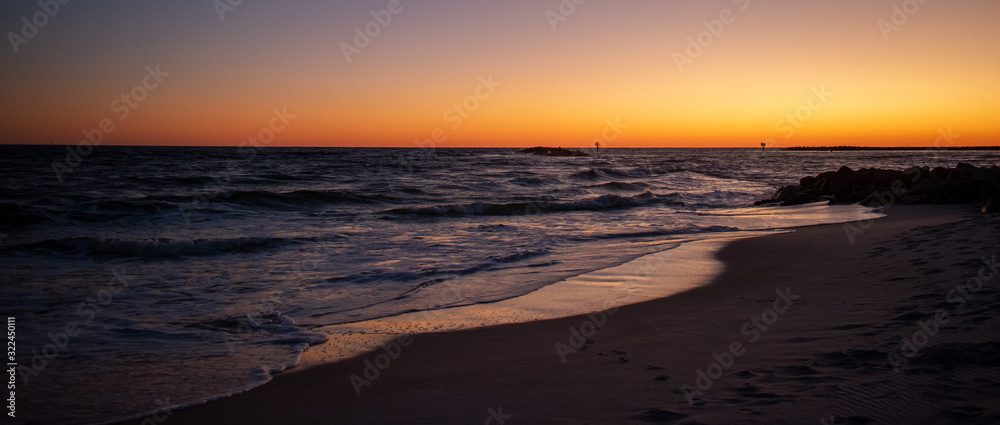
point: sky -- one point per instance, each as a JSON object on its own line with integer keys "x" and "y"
{"x": 515, "y": 73}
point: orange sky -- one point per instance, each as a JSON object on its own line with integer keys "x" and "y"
{"x": 606, "y": 62}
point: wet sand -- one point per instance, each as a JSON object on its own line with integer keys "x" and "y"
{"x": 898, "y": 326}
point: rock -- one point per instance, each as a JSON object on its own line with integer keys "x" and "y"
{"x": 991, "y": 205}
{"x": 794, "y": 195}
{"x": 917, "y": 173}
{"x": 965, "y": 183}
{"x": 940, "y": 172}
{"x": 808, "y": 182}
{"x": 766, "y": 202}
{"x": 985, "y": 174}
{"x": 990, "y": 197}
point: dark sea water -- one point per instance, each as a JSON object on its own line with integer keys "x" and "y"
{"x": 150, "y": 277}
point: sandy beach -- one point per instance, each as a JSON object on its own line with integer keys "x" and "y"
{"x": 886, "y": 321}
{"x": 501, "y": 212}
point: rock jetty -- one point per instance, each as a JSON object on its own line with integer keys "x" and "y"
{"x": 965, "y": 183}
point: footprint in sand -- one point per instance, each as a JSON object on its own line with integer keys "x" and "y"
{"x": 964, "y": 411}
{"x": 752, "y": 391}
{"x": 750, "y": 412}
{"x": 748, "y": 374}
{"x": 853, "y": 326}
{"x": 896, "y": 279}
{"x": 659, "y": 416}
{"x": 911, "y": 316}
{"x": 797, "y": 370}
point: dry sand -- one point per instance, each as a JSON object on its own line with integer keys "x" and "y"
{"x": 825, "y": 357}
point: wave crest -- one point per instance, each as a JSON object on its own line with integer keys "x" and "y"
{"x": 600, "y": 203}
{"x": 149, "y": 247}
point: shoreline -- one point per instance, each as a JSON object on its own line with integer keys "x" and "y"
{"x": 635, "y": 364}
{"x": 687, "y": 265}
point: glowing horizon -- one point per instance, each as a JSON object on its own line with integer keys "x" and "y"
{"x": 794, "y": 73}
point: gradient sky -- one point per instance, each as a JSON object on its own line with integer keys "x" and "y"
{"x": 606, "y": 62}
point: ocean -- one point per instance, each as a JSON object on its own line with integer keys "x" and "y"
{"x": 151, "y": 277}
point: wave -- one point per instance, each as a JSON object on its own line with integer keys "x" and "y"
{"x": 492, "y": 228}
{"x": 161, "y": 247}
{"x": 412, "y": 190}
{"x": 622, "y": 186}
{"x": 605, "y": 173}
{"x": 279, "y": 177}
{"x": 600, "y": 203}
{"x": 300, "y": 198}
{"x": 15, "y": 214}
{"x": 493, "y": 262}
{"x": 101, "y": 210}
{"x": 677, "y": 231}
{"x": 281, "y": 328}
{"x": 527, "y": 181}
{"x": 715, "y": 174}
{"x": 145, "y": 205}
{"x": 256, "y": 198}
{"x": 430, "y": 276}
{"x": 520, "y": 255}
{"x": 192, "y": 181}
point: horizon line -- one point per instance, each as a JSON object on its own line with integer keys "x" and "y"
{"x": 817, "y": 147}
